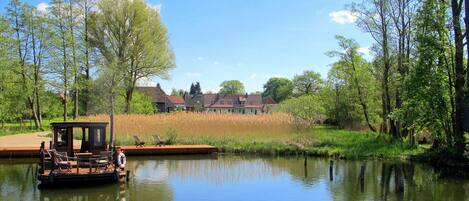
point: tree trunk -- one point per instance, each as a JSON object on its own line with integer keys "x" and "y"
{"x": 74, "y": 62}
{"x": 87, "y": 63}
{"x": 459, "y": 76}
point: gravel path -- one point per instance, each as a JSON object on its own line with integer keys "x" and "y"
{"x": 28, "y": 140}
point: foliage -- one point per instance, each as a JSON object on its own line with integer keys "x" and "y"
{"x": 232, "y": 87}
{"x": 308, "y": 83}
{"x": 177, "y": 92}
{"x": 351, "y": 92}
{"x": 278, "y": 89}
{"x": 131, "y": 35}
{"x": 307, "y": 108}
{"x": 195, "y": 89}
{"x": 426, "y": 99}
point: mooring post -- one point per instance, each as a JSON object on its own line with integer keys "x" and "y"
{"x": 306, "y": 158}
{"x": 127, "y": 175}
{"x": 331, "y": 173}
{"x": 362, "y": 177}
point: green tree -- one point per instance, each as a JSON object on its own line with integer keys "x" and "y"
{"x": 232, "y": 87}
{"x": 374, "y": 17}
{"x": 306, "y": 108}
{"x": 354, "y": 71}
{"x": 177, "y": 92}
{"x": 278, "y": 88}
{"x": 131, "y": 34}
{"x": 308, "y": 83}
{"x": 428, "y": 102}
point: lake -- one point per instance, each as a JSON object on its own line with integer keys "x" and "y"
{"x": 239, "y": 178}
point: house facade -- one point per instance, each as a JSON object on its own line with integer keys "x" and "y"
{"x": 219, "y": 103}
{"x": 161, "y": 101}
{"x": 227, "y": 103}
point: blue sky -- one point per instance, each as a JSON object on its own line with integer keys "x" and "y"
{"x": 250, "y": 41}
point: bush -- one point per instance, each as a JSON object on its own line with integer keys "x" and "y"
{"x": 171, "y": 136}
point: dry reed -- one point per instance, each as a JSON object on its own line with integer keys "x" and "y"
{"x": 201, "y": 125}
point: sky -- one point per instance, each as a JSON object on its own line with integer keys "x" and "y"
{"x": 250, "y": 41}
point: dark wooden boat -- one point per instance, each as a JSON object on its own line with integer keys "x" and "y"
{"x": 93, "y": 163}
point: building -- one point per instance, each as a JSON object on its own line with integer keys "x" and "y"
{"x": 221, "y": 103}
{"x": 228, "y": 103}
{"x": 158, "y": 96}
{"x": 175, "y": 103}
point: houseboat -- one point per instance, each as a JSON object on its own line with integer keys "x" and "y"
{"x": 93, "y": 162}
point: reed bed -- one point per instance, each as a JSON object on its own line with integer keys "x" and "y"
{"x": 199, "y": 127}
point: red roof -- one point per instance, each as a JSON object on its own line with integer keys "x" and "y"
{"x": 177, "y": 100}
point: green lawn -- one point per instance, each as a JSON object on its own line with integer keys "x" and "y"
{"x": 14, "y": 128}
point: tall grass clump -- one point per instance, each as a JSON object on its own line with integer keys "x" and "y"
{"x": 197, "y": 126}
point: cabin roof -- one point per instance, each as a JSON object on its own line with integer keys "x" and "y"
{"x": 78, "y": 124}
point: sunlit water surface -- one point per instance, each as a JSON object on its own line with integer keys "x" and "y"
{"x": 238, "y": 178}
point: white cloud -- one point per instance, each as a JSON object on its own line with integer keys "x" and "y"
{"x": 216, "y": 62}
{"x": 192, "y": 75}
{"x": 146, "y": 82}
{"x": 253, "y": 76}
{"x": 42, "y": 7}
{"x": 344, "y": 16}
{"x": 200, "y": 58}
{"x": 364, "y": 50}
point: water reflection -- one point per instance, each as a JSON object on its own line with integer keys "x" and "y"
{"x": 229, "y": 177}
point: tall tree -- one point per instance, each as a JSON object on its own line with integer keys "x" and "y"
{"x": 86, "y": 7}
{"x": 456, "y": 12}
{"x": 231, "y": 87}
{"x": 373, "y": 17}
{"x": 19, "y": 16}
{"x": 427, "y": 97}
{"x": 278, "y": 89}
{"x": 39, "y": 31}
{"x": 62, "y": 64}
{"x": 351, "y": 60}
{"x": 72, "y": 24}
{"x": 135, "y": 34}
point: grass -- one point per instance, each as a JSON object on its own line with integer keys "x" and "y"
{"x": 15, "y": 128}
{"x": 268, "y": 134}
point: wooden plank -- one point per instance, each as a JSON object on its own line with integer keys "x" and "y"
{"x": 33, "y": 152}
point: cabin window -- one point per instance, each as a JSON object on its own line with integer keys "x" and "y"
{"x": 62, "y": 137}
{"x": 98, "y": 138}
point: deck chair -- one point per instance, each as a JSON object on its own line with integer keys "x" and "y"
{"x": 61, "y": 161}
{"x": 159, "y": 141}
{"x": 104, "y": 160}
{"x": 138, "y": 142}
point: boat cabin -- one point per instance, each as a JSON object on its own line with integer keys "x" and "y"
{"x": 63, "y": 164}
{"x": 93, "y": 136}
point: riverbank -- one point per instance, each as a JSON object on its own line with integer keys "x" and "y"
{"x": 318, "y": 141}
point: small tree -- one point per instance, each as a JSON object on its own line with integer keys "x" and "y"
{"x": 306, "y": 108}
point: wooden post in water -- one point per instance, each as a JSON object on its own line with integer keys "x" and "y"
{"x": 331, "y": 173}
{"x": 127, "y": 175}
{"x": 306, "y": 158}
{"x": 362, "y": 177}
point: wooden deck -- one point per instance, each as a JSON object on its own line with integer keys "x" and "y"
{"x": 32, "y": 152}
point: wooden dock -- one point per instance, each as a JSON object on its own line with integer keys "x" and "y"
{"x": 32, "y": 152}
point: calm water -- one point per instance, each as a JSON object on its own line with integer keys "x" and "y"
{"x": 238, "y": 178}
